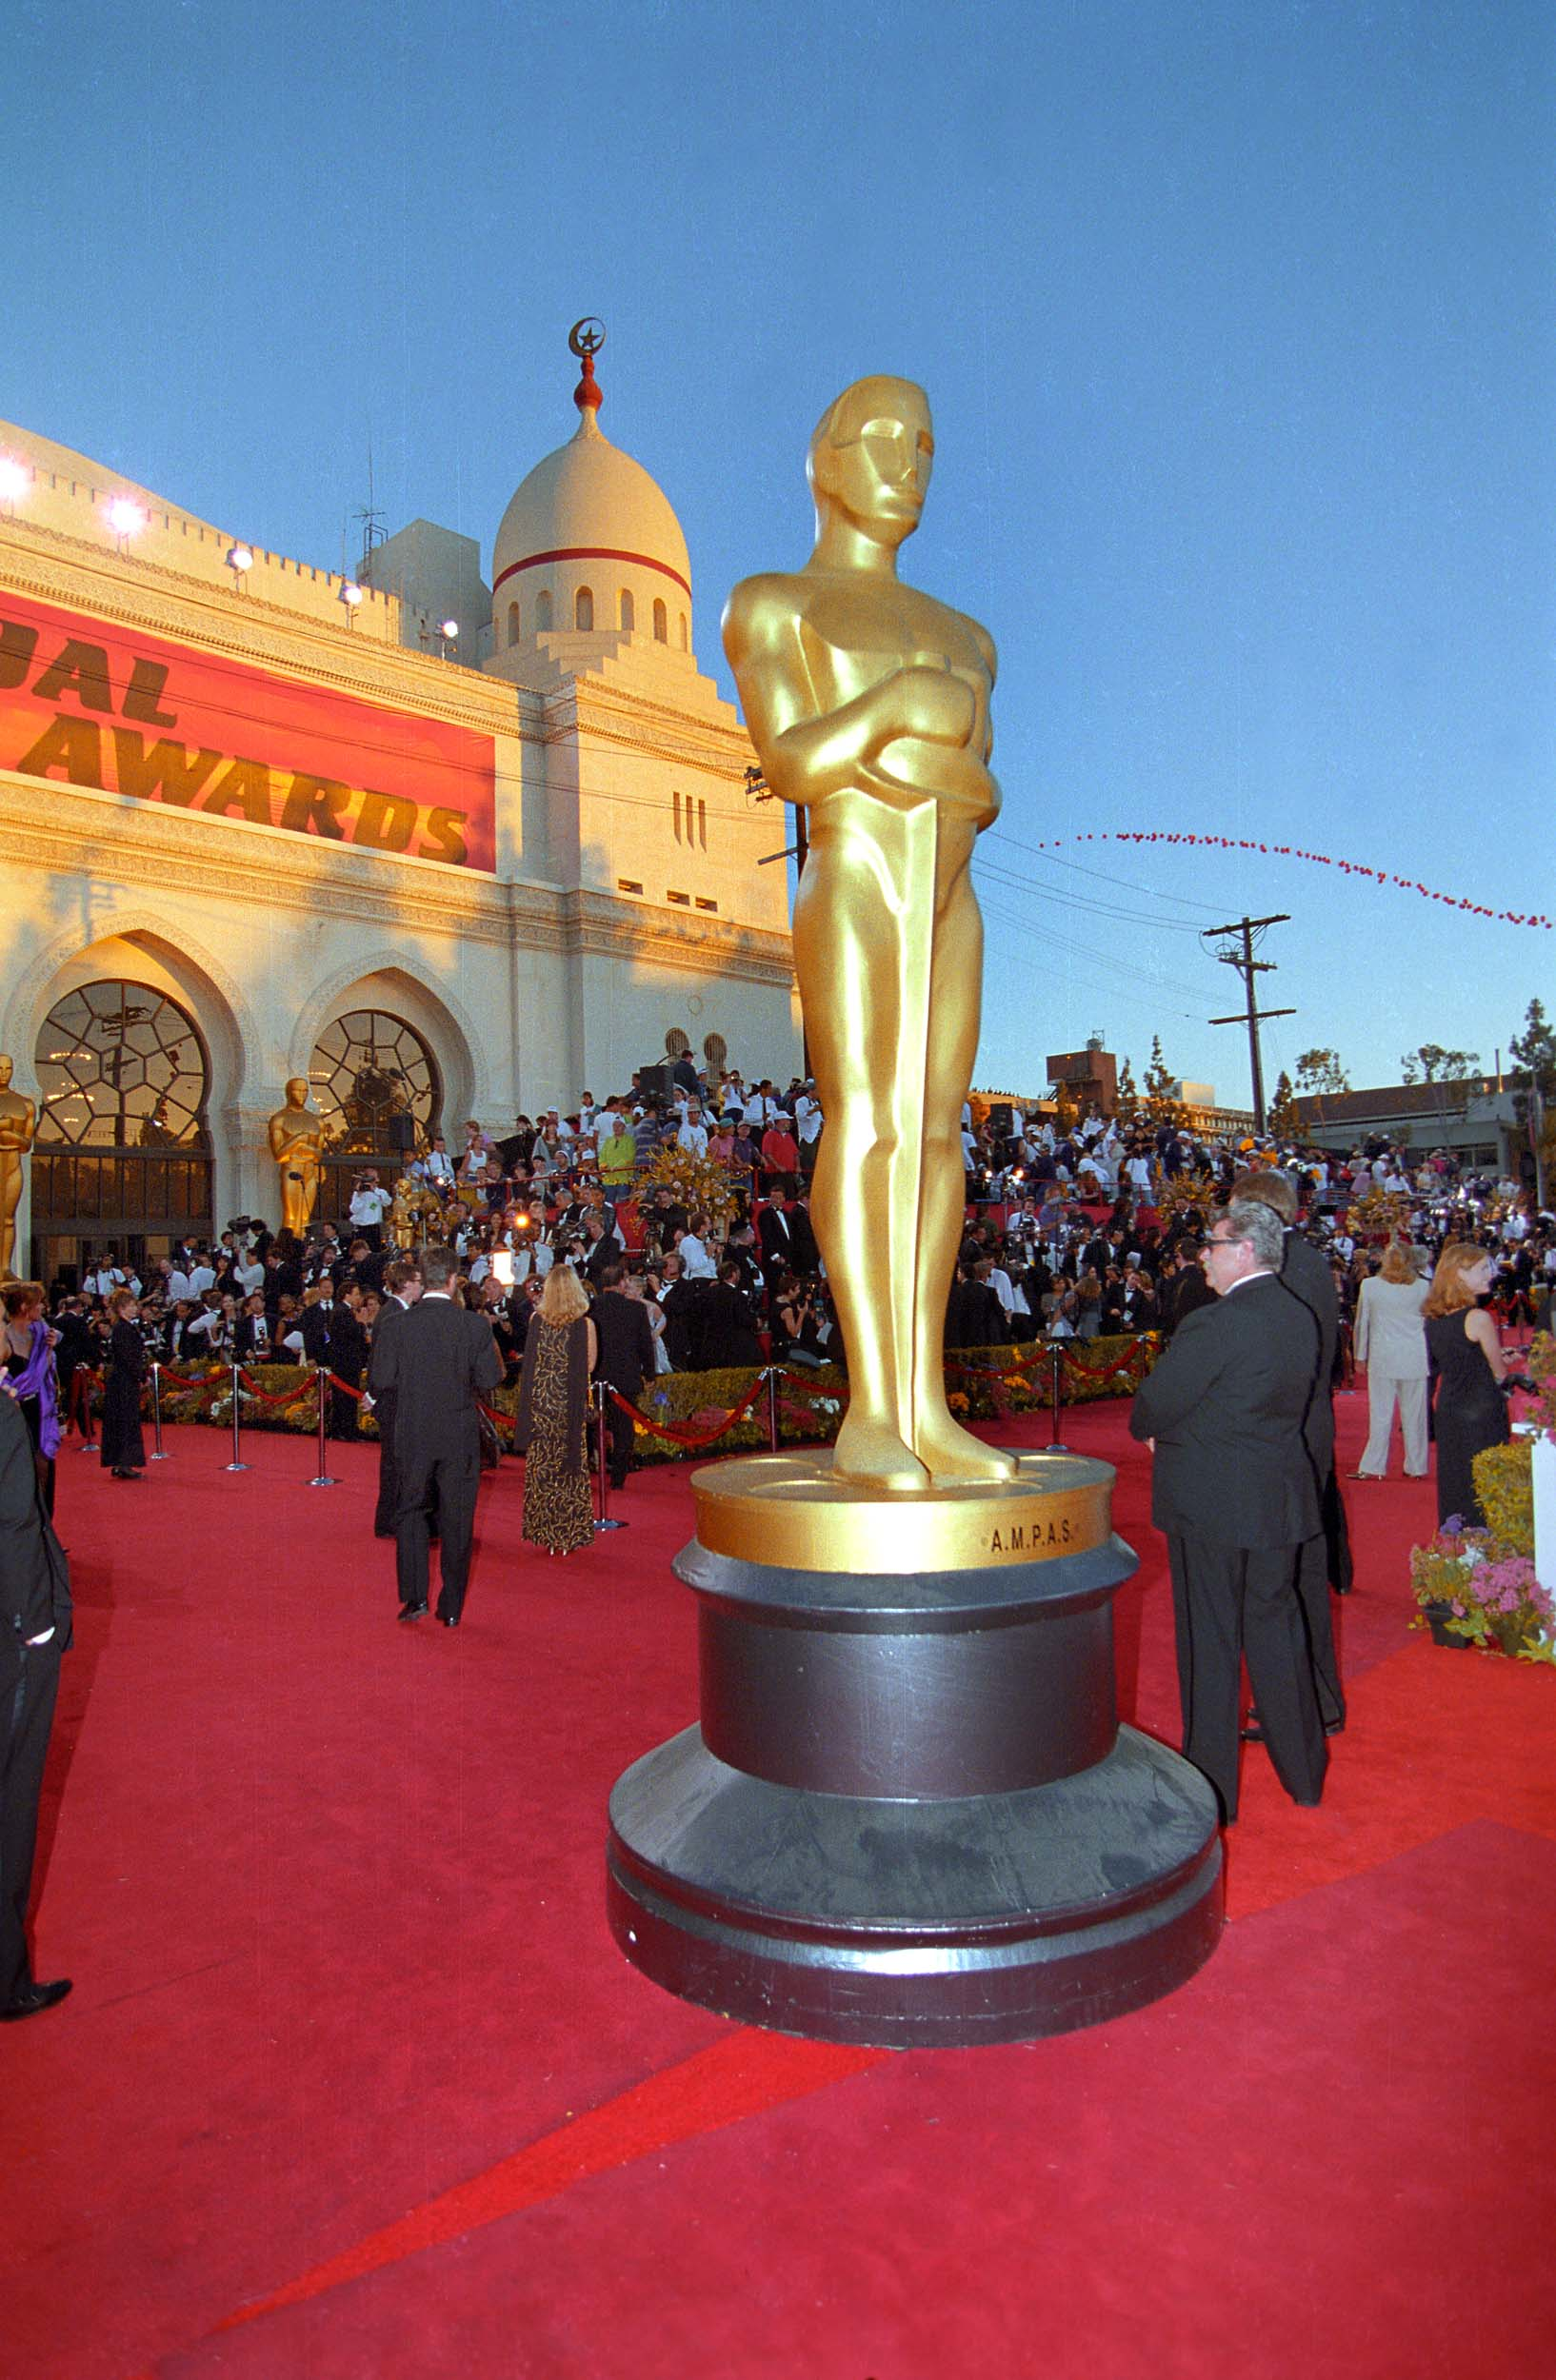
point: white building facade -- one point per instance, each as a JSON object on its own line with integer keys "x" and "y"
{"x": 258, "y": 822}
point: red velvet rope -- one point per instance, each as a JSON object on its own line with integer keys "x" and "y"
{"x": 694, "y": 1439}
{"x": 805, "y": 1387}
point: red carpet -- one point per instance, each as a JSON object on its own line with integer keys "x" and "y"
{"x": 354, "y": 2081}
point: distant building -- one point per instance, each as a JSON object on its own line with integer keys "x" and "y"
{"x": 1217, "y": 1124}
{"x": 1090, "y": 1076}
{"x": 1474, "y": 1118}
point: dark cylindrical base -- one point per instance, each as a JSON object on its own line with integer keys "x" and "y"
{"x": 922, "y": 1924}
{"x": 910, "y": 1815}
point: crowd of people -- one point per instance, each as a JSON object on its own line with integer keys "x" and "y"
{"x": 1075, "y": 1231}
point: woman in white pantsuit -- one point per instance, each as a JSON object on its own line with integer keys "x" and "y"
{"x": 1392, "y": 1342}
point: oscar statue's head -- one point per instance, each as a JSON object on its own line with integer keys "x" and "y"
{"x": 871, "y": 458}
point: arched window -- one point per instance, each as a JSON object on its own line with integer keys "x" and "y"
{"x": 683, "y": 620}
{"x": 582, "y": 608}
{"x": 662, "y": 626}
{"x": 543, "y": 611}
{"x": 376, "y": 1081}
{"x": 675, "y": 812}
{"x": 123, "y": 1151}
{"x": 702, "y": 822}
{"x": 512, "y": 624}
{"x": 120, "y": 1067}
{"x": 629, "y": 615}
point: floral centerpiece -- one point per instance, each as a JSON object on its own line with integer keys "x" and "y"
{"x": 1186, "y": 1197}
{"x": 1471, "y": 1588}
{"x": 701, "y": 1184}
{"x": 1380, "y": 1215}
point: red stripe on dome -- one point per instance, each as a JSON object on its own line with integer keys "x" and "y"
{"x": 591, "y": 554}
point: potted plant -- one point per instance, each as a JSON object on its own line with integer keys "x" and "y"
{"x": 1472, "y": 1590}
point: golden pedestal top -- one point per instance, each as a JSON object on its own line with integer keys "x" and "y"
{"x": 789, "y": 1512}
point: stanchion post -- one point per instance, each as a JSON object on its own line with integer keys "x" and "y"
{"x": 236, "y": 1463}
{"x": 772, "y": 1407}
{"x": 602, "y": 1517}
{"x": 321, "y": 1378}
{"x": 157, "y": 1454}
{"x": 1056, "y": 1359}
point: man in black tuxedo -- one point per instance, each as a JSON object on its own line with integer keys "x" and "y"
{"x": 404, "y": 1280}
{"x": 1233, "y": 1491}
{"x": 1325, "y": 1558}
{"x": 34, "y": 1631}
{"x": 437, "y": 1361}
{"x": 626, "y": 1359}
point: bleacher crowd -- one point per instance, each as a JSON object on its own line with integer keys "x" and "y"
{"x": 1073, "y": 1230}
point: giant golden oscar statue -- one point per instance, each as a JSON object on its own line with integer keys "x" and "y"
{"x": 18, "y": 1120}
{"x": 908, "y": 1814}
{"x": 868, "y": 703}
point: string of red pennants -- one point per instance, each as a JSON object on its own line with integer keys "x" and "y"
{"x": 1318, "y": 859}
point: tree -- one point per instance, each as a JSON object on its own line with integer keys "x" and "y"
{"x": 1431, "y": 1063}
{"x": 1320, "y": 1070}
{"x": 1534, "y": 1100}
{"x": 1283, "y": 1109}
{"x": 1127, "y": 1098}
{"x": 1162, "y": 1106}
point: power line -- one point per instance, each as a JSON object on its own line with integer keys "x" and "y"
{"x": 998, "y": 834}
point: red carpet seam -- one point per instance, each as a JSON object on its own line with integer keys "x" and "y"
{"x": 745, "y": 2074}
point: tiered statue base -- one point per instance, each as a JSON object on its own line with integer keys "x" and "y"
{"x": 910, "y": 1815}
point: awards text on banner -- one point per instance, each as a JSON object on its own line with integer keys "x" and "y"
{"x": 91, "y": 703}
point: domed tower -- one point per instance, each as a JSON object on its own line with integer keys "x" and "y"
{"x": 590, "y": 561}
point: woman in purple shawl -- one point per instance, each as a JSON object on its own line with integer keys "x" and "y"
{"x": 29, "y": 1363}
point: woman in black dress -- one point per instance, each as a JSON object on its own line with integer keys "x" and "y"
{"x": 123, "y": 1450}
{"x": 1465, "y": 1352}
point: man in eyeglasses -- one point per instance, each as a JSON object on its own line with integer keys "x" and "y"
{"x": 1233, "y": 1492}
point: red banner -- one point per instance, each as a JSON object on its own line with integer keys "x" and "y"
{"x": 89, "y": 703}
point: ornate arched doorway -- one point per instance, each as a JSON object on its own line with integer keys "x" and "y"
{"x": 376, "y": 1083}
{"x": 123, "y": 1152}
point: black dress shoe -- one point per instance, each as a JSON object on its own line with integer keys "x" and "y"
{"x": 36, "y": 1997}
{"x": 449, "y": 1619}
{"x": 411, "y": 1611}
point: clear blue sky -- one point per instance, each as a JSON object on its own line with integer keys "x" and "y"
{"x": 1239, "y": 323}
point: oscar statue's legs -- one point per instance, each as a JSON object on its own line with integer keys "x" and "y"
{"x": 950, "y": 1452}
{"x": 850, "y": 957}
{"x": 11, "y": 1195}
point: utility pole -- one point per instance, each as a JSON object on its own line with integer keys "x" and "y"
{"x": 1247, "y": 966}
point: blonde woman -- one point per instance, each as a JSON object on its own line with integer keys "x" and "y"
{"x": 1392, "y": 1342}
{"x": 560, "y": 1353}
{"x": 1471, "y": 1410}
